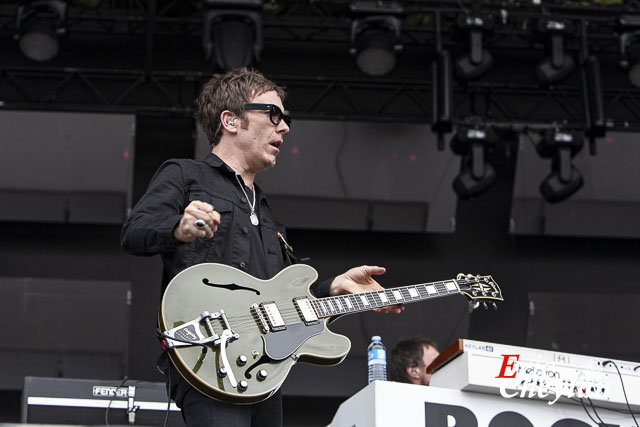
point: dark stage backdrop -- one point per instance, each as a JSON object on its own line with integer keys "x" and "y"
{"x": 523, "y": 265}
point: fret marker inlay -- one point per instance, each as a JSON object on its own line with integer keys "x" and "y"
{"x": 451, "y": 286}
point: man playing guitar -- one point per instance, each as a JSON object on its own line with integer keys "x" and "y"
{"x": 211, "y": 211}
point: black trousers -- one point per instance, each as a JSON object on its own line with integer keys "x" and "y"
{"x": 199, "y": 410}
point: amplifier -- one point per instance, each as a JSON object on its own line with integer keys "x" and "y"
{"x": 96, "y": 402}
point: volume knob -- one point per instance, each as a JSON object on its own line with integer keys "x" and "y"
{"x": 262, "y": 375}
{"x": 243, "y": 385}
{"x": 241, "y": 360}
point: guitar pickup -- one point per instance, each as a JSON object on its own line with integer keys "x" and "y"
{"x": 306, "y": 311}
{"x": 274, "y": 318}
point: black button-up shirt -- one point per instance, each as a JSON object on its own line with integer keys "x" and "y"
{"x": 149, "y": 228}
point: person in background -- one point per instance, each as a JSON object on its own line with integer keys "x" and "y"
{"x": 408, "y": 361}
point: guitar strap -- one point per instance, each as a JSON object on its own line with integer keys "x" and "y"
{"x": 288, "y": 251}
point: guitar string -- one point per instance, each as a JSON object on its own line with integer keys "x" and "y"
{"x": 291, "y": 313}
{"x": 329, "y": 305}
{"x": 332, "y": 308}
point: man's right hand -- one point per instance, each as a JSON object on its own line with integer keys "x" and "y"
{"x": 187, "y": 230}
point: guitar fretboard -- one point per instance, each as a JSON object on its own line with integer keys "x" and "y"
{"x": 352, "y": 303}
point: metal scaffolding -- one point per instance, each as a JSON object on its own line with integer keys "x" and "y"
{"x": 149, "y": 82}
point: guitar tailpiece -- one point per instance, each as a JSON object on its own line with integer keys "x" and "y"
{"x": 189, "y": 334}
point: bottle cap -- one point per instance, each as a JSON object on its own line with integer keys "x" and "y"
{"x": 376, "y": 338}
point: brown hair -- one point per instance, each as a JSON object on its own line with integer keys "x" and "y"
{"x": 230, "y": 91}
{"x": 407, "y": 353}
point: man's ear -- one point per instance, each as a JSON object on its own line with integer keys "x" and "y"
{"x": 412, "y": 372}
{"x": 228, "y": 121}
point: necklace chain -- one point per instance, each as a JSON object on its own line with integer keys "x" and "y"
{"x": 253, "y": 217}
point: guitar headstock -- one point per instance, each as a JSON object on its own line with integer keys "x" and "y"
{"x": 479, "y": 289}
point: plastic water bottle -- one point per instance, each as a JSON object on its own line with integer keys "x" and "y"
{"x": 377, "y": 360}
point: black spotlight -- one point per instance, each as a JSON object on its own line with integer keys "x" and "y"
{"x": 557, "y": 64}
{"x": 40, "y": 24}
{"x": 232, "y": 33}
{"x": 564, "y": 179}
{"x": 375, "y": 35}
{"x": 476, "y": 173}
{"x": 630, "y": 47}
{"x": 478, "y": 60}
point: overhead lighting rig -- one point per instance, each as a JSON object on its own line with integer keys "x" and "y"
{"x": 232, "y": 33}
{"x": 40, "y": 24}
{"x": 558, "y": 64}
{"x": 476, "y": 173}
{"x": 478, "y": 60}
{"x": 629, "y": 26}
{"x": 565, "y": 179}
{"x": 375, "y": 35}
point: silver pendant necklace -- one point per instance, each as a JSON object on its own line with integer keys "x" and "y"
{"x": 252, "y": 217}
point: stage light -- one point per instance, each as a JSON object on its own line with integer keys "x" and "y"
{"x": 630, "y": 47}
{"x": 557, "y": 64}
{"x": 39, "y": 26}
{"x": 375, "y": 35}
{"x": 477, "y": 60}
{"x": 476, "y": 173}
{"x": 565, "y": 179}
{"x": 232, "y": 33}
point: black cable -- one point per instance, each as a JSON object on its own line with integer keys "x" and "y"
{"x": 623, "y": 389}
{"x": 587, "y": 411}
{"x": 166, "y": 416}
{"x": 619, "y": 411}
{"x": 596, "y": 412}
{"x": 106, "y": 413}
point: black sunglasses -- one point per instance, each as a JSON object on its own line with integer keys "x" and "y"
{"x": 275, "y": 113}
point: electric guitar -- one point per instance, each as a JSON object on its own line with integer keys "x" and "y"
{"x": 234, "y": 337}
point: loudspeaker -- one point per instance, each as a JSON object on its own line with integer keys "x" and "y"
{"x": 594, "y": 324}
{"x": 96, "y": 402}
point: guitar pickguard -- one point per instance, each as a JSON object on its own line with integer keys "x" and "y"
{"x": 230, "y": 286}
{"x": 280, "y": 345}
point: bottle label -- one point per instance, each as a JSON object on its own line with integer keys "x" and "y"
{"x": 377, "y": 355}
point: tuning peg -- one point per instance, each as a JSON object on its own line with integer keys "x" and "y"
{"x": 473, "y": 305}
{"x": 494, "y": 305}
{"x": 484, "y": 304}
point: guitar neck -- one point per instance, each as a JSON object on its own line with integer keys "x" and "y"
{"x": 365, "y": 301}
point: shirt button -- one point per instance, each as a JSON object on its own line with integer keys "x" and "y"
{"x": 245, "y": 230}
{"x": 243, "y": 200}
{"x": 243, "y": 264}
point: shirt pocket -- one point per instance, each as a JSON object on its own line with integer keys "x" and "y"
{"x": 203, "y": 249}
{"x": 273, "y": 244}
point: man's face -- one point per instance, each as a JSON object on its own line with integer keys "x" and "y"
{"x": 259, "y": 139}
{"x": 428, "y": 355}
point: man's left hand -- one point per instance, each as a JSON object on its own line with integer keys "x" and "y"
{"x": 359, "y": 279}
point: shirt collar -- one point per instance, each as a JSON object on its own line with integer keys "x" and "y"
{"x": 216, "y": 162}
